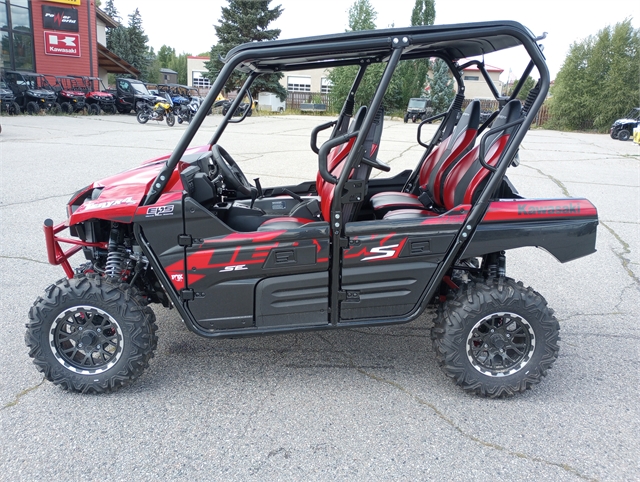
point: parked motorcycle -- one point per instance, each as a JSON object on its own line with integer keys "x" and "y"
{"x": 186, "y": 112}
{"x": 161, "y": 110}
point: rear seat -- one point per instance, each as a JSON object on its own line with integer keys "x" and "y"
{"x": 467, "y": 177}
{"x": 435, "y": 168}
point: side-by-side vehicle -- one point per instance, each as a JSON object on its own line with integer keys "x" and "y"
{"x": 343, "y": 250}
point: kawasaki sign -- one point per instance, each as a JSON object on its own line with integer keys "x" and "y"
{"x": 59, "y": 43}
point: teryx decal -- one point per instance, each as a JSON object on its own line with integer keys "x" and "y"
{"x": 382, "y": 252}
{"x": 108, "y": 204}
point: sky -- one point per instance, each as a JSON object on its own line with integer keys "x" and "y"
{"x": 187, "y": 26}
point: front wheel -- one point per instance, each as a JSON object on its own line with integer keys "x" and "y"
{"x": 33, "y": 108}
{"x": 90, "y": 335}
{"x": 13, "y": 108}
{"x": 142, "y": 116}
{"x": 170, "y": 118}
{"x": 66, "y": 108}
{"x": 624, "y": 135}
{"x": 496, "y": 338}
{"x": 94, "y": 109}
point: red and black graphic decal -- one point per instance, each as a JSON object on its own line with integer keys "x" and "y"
{"x": 527, "y": 209}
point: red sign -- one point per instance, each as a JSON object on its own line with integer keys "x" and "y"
{"x": 60, "y": 43}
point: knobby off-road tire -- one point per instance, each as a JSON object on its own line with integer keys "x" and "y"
{"x": 90, "y": 335}
{"x": 33, "y": 108}
{"x": 496, "y": 338}
{"x": 624, "y": 135}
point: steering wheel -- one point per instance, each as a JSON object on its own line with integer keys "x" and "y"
{"x": 231, "y": 172}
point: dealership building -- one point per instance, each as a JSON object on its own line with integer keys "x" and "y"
{"x": 58, "y": 37}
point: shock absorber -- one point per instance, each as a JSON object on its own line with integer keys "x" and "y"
{"x": 116, "y": 255}
{"x": 496, "y": 265}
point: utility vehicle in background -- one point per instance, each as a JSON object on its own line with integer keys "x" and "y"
{"x": 622, "y": 129}
{"x": 342, "y": 250}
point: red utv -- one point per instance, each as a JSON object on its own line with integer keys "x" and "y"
{"x": 97, "y": 96}
{"x": 190, "y": 231}
{"x": 70, "y": 97}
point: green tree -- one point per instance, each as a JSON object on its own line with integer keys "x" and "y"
{"x": 440, "y": 83}
{"x": 110, "y": 9}
{"x": 424, "y": 13}
{"x": 245, "y": 21}
{"x": 529, "y": 83}
{"x": 166, "y": 55}
{"x": 598, "y": 81}
{"x": 411, "y": 75}
{"x": 138, "y": 49}
{"x": 362, "y": 15}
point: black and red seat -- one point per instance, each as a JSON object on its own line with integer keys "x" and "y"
{"x": 435, "y": 168}
{"x": 467, "y": 177}
{"x": 335, "y": 164}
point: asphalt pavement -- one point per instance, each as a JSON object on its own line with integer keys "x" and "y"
{"x": 358, "y": 404}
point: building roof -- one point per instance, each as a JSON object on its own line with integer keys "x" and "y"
{"x": 168, "y": 71}
{"x": 110, "y": 22}
{"x": 202, "y": 57}
{"x": 488, "y": 68}
{"x": 114, "y": 64}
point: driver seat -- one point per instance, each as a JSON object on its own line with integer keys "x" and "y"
{"x": 336, "y": 161}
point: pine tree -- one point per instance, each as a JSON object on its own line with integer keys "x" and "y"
{"x": 362, "y": 15}
{"x": 110, "y": 9}
{"x": 245, "y": 21}
{"x": 138, "y": 49}
{"x": 440, "y": 83}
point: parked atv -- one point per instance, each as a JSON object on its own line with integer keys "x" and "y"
{"x": 32, "y": 92}
{"x": 8, "y": 102}
{"x": 97, "y": 96}
{"x": 161, "y": 110}
{"x": 131, "y": 94}
{"x": 343, "y": 250}
{"x": 622, "y": 129}
{"x": 417, "y": 110}
{"x": 70, "y": 97}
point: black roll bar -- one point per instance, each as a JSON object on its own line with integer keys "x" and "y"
{"x": 316, "y": 131}
{"x": 483, "y": 143}
{"x": 324, "y": 153}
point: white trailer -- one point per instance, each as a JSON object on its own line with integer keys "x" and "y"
{"x": 270, "y": 102}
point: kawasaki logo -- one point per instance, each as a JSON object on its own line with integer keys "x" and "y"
{"x": 528, "y": 210}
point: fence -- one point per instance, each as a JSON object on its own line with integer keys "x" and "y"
{"x": 543, "y": 116}
{"x": 294, "y": 99}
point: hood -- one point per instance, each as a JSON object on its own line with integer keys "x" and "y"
{"x": 72, "y": 93}
{"x": 41, "y": 93}
{"x": 121, "y": 194}
{"x": 98, "y": 93}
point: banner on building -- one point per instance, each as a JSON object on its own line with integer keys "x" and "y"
{"x": 58, "y": 18}
{"x": 59, "y": 43}
{"x": 70, "y": 2}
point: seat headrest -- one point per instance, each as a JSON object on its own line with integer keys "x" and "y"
{"x": 509, "y": 113}
{"x": 470, "y": 119}
{"x": 358, "y": 119}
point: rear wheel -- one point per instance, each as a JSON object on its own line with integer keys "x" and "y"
{"x": 90, "y": 335}
{"x": 33, "y": 108}
{"x": 624, "y": 135}
{"x": 170, "y": 119}
{"x": 496, "y": 338}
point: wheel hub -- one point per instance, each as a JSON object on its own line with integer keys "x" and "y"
{"x": 86, "y": 340}
{"x": 500, "y": 344}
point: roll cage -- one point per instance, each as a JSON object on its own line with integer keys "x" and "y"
{"x": 363, "y": 48}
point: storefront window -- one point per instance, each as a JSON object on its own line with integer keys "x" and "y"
{"x": 20, "y": 18}
{"x": 16, "y": 35}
